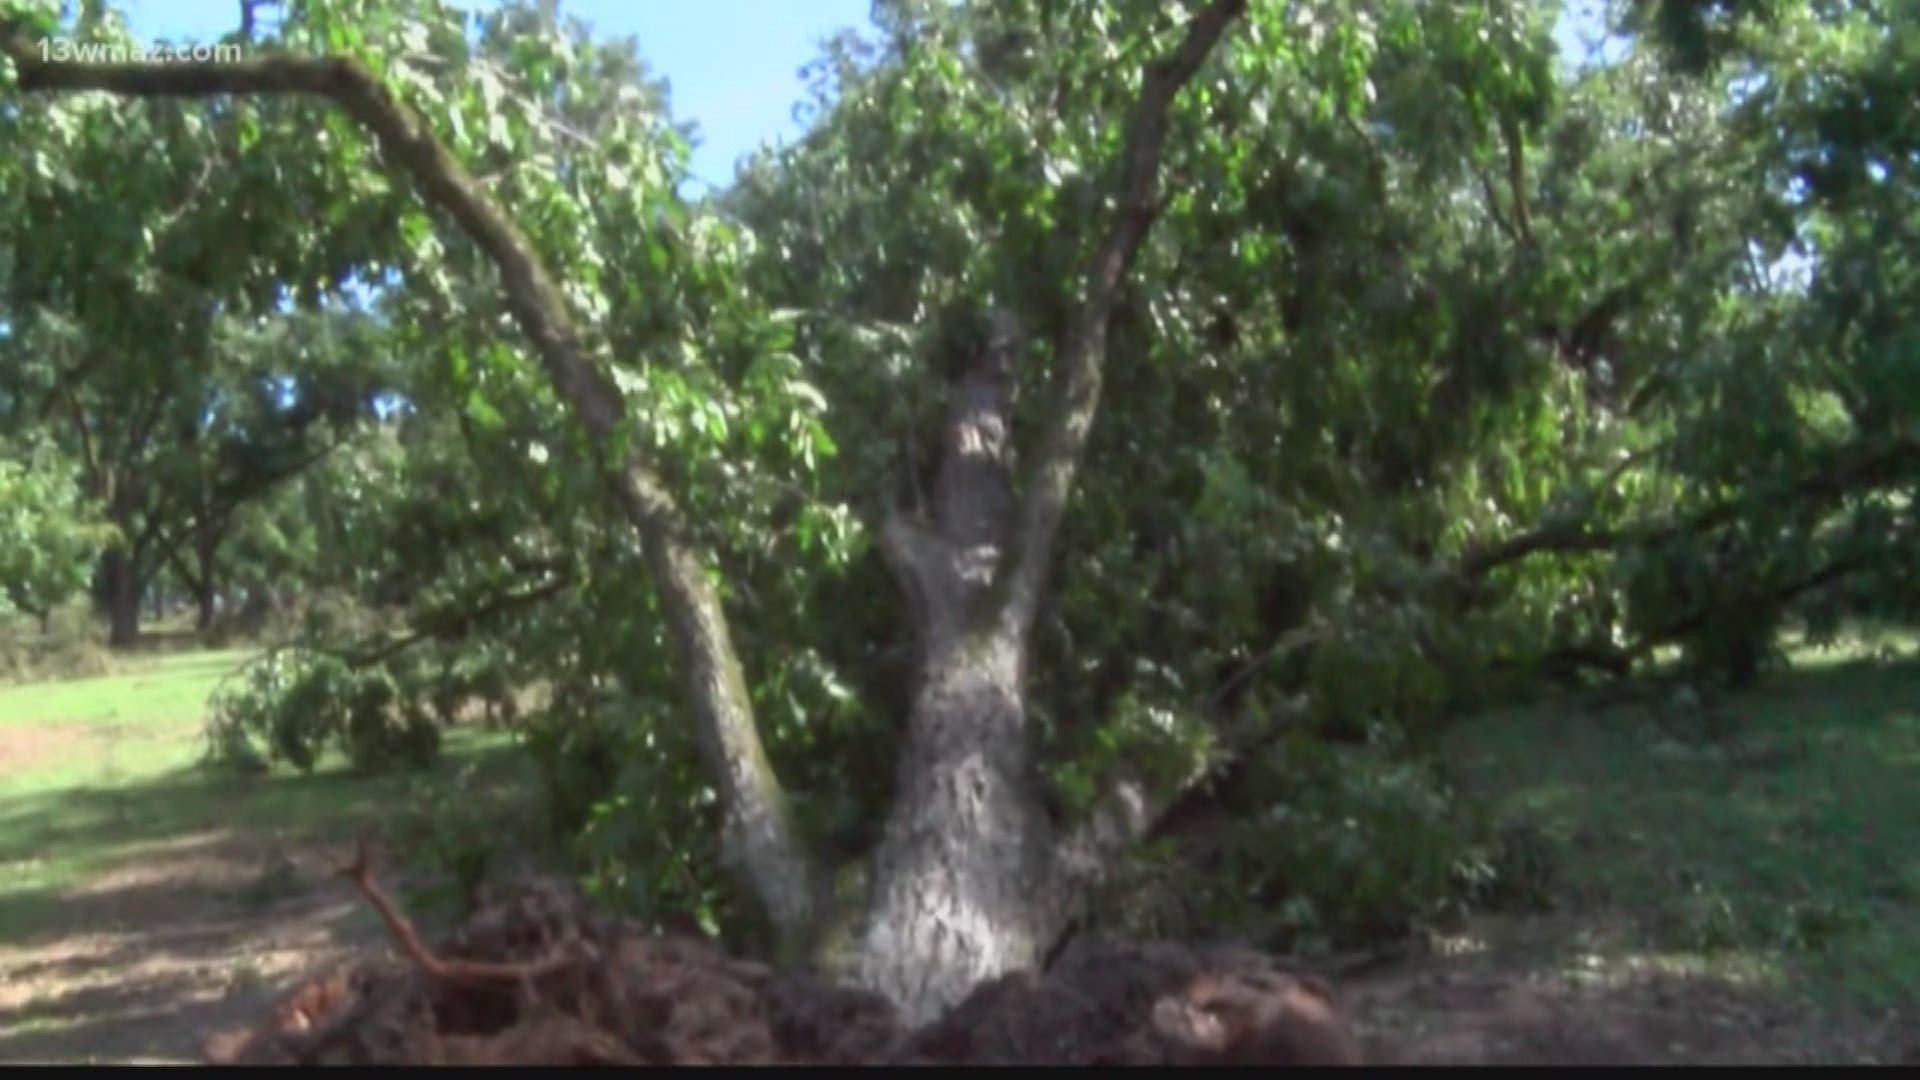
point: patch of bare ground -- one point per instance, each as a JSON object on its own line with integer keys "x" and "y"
{"x": 181, "y": 936}
{"x": 26, "y": 746}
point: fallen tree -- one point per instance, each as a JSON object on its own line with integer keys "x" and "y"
{"x": 968, "y": 881}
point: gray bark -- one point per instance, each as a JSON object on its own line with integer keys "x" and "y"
{"x": 961, "y": 879}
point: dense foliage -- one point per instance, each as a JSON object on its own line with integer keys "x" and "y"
{"x": 1451, "y": 362}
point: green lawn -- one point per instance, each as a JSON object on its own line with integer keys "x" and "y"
{"x": 133, "y": 725}
{"x": 1787, "y": 845}
{"x": 90, "y": 769}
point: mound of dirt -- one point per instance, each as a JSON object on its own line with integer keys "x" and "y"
{"x": 538, "y": 978}
{"x": 1145, "y": 1004}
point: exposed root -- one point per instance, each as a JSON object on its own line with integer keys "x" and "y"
{"x": 537, "y": 979}
{"x": 360, "y": 872}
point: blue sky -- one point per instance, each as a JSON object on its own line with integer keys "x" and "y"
{"x": 734, "y": 65}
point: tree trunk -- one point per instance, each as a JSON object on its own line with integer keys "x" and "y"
{"x": 206, "y": 552}
{"x": 968, "y": 883}
{"x": 962, "y": 879}
{"x": 204, "y": 605}
{"x": 122, "y": 594}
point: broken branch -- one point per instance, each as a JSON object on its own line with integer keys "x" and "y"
{"x": 469, "y": 972}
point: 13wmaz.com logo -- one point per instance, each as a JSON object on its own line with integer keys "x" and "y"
{"x": 97, "y": 52}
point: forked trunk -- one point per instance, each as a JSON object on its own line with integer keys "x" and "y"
{"x": 959, "y": 875}
{"x": 965, "y": 885}
{"x": 960, "y": 879}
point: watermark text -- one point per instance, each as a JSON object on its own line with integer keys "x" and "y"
{"x": 100, "y": 52}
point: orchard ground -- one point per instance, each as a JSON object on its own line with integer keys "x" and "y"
{"x": 1748, "y": 897}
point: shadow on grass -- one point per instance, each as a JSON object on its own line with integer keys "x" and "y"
{"x": 116, "y": 1025}
{"x": 1463, "y": 1011}
{"x": 147, "y": 971}
{"x": 136, "y": 918}
{"x": 1778, "y": 826}
{"x": 51, "y": 839}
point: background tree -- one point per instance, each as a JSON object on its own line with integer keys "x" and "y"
{"x": 151, "y": 349}
{"x": 50, "y": 535}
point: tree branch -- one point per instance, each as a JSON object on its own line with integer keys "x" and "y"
{"x": 1493, "y": 205}
{"x": 1857, "y": 464}
{"x": 927, "y": 571}
{"x": 140, "y": 432}
{"x": 760, "y": 825}
{"x": 221, "y": 507}
{"x": 88, "y": 458}
{"x": 178, "y": 562}
{"x": 458, "y": 622}
{"x": 1517, "y": 178}
{"x": 945, "y": 560}
{"x": 1780, "y": 594}
{"x": 1083, "y": 355}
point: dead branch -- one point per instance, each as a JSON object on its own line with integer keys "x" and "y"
{"x": 467, "y": 972}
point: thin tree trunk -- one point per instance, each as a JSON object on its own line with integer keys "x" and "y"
{"x": 206, "y": 551}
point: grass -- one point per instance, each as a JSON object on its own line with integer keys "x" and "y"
{"x": 92, "y": 769}
{"x": 128, "y": 726}
{"x": 1785, "y": 844}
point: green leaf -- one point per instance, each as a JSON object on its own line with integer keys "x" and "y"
{"x": 482, "y": 412}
